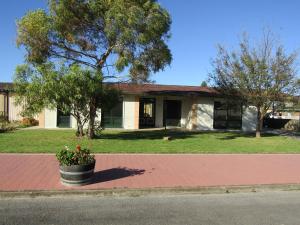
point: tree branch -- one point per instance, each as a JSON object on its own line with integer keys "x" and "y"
{"x": 73, "y": 59}
{"x": 64, "y": 46}
{"x": 104, "y": 56}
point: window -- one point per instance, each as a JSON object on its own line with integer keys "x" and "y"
{"x": 113, "y": 118}
{"x": 63, "y": 119}
{"x": 227, "y": 115}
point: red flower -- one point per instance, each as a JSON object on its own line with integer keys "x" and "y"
{"x": 78, "y": 148}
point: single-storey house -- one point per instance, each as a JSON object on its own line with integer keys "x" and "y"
{"x": 154, "y": 106}
{"x": 8, "y": 108}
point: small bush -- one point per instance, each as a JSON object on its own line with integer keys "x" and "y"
{"x": 6, "y": 126}
{"x": 3, "y": 118}
{"x": 292, "y": 125}
{"x": 67, "y": 157}
{"x": 29, "y": 122}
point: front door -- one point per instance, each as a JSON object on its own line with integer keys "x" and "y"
{"x": 147, "y": 113}
{"x": 172, "y": 113}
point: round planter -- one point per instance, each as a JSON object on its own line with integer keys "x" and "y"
{"x": 77, "y": 175}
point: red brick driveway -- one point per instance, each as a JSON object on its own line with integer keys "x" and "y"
{"x": 40, "y": 172}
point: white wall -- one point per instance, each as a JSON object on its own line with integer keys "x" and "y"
{"x": 14, "y": 110}
{"x": 186, "y": 113}
{"x": 73, "y": 122}
{"x": 205, "y": 113}
{"x": 129, "y": 104}
{"x": 2, "y": 100}
{"x": 50, "y": 118}
{"x": 249, "y": 118}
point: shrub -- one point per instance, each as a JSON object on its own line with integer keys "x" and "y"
{"x": 29, "y": 122}
{"x": 292, "y": 125}
{"x": 3, "y": 118}
{"x": 6, "y": 126}
{"x": 67, "y": 157}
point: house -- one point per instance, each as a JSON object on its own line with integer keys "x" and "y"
{"x": 8, "y": 109}
{"x": 156, "y": 106}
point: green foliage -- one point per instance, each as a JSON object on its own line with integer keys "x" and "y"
{"x": 70, "y": 88}
{"x": 107, "y": 36}
{"x": 6, "y": 126}
{"x": 258, "y": 75}
{"x": 35, "y": 24}
{"x": 3, "y": 118}
{"x": 67, "y": 157}
{"x": 128, "y": 33}
{"x": 203, "y": 84}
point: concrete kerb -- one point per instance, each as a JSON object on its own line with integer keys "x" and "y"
{"x": 124, "y": 192}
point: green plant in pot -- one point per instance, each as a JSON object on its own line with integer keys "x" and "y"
{"x": 76, "y": 166}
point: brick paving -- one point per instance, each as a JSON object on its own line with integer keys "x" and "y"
{"x": 40, "y": 171}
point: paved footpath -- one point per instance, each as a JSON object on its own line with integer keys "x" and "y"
{"x": 40, "y": 171}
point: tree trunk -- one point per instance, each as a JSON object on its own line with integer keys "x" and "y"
{"x": 259, "y": 123}
{"x": 80, "y": 132}
{"x": 92, "y": 116}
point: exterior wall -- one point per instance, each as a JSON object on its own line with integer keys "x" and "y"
{"x": 249, "y": 119}
{"x": 2, "y": 97}
{"x": 73, "y": 122}
{"x": 130, "y": 112}
{"x": 50, "y": 118}
{"x": 159, "y": 112}
{"x": 136, "y": 112}
{"x": 196, "y": 113}
{"x": 186, "y": 113}
{"x": 14, "y": 110}
{"x": 42, "y": 119}
{"x": 205, "y": 114}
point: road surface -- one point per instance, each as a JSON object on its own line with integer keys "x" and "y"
{"x": 270, "y": 208}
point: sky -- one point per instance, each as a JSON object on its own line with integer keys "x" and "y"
{"x": 197, "y": 27}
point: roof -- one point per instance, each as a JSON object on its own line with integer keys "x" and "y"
{"x": 6, "y": 86}
{"x": 159, "y": 89}
{"x": 151, "y": 89}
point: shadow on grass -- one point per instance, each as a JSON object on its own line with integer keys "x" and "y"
{"x": 177, "y": 134}
{"x": 234, "y": 135}
{"x": 147, "y": 134}
{"x": 115, "y": 173}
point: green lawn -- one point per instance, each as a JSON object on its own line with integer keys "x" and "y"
{"x": 147, "y": 142}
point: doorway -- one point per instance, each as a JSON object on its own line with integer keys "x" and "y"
{"x": 172, "y": 113}
{"x": 147, "y": 113}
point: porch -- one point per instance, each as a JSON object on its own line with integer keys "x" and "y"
{"x": 189, "y": 112}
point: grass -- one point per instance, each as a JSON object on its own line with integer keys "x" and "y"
{"x": 49, "y": 141}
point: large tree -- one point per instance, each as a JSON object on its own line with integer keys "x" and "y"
{"x": 256, "y": 74}
{"x": 68, "y": 88}
{"x": 109, "y": 36}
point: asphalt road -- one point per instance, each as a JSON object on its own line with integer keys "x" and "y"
{"x": 271, "y": 208}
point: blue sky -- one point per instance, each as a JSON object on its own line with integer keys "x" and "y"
{"x": 198, "y": 26}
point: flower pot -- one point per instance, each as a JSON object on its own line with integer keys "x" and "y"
{"x": 77, "y": 175}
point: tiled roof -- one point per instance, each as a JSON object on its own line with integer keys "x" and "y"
{"x": 5, "y": 86}
{"x": 140, "y": 89}
{"x": 165, "y": 89}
